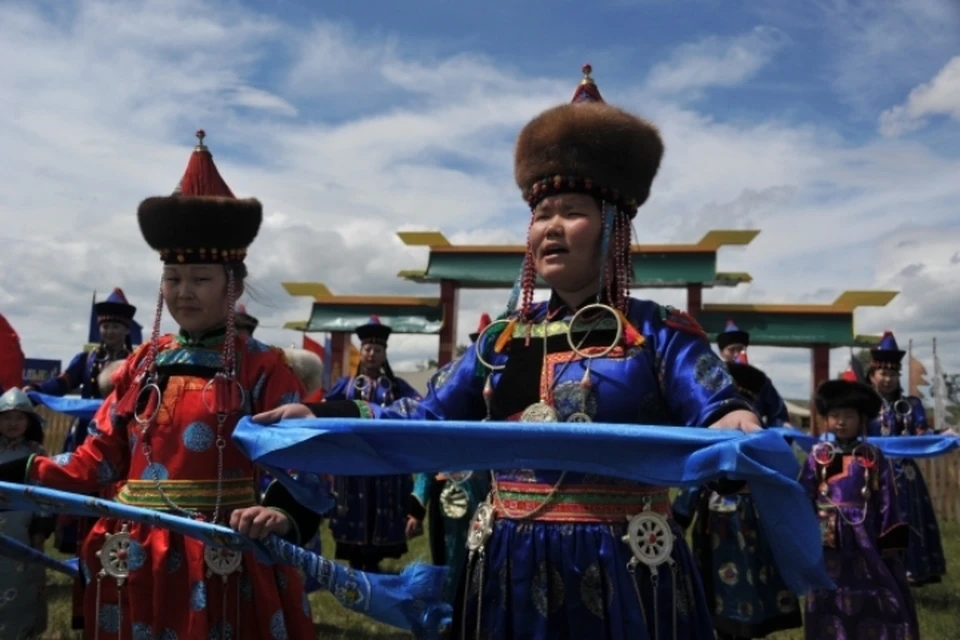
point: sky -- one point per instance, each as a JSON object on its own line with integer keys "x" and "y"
{"x": 833, "y": 126}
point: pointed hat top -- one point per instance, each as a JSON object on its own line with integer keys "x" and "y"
{"x": 887, "y": 354}
{"x": 201, "y": 177}
{"x": 587, "y": 90}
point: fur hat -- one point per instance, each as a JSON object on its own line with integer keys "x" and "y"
{"x": 588, "y": 147}
{"x": 749, "y": 380}
{"x": 844, "y": 394}
{"x": 202, "y": 222}
{"x": 374, "y": 331}
{"x": 308, "y": 366}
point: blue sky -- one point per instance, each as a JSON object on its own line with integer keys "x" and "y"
{"x": 831, "y": 125}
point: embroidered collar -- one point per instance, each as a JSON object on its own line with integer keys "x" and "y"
{"x": 208, "y": 339}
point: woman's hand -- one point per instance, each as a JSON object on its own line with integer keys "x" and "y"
{"x": 283, "y": 412}
{"x": 741, "y": 419}
{"x": 259, "y": 522}
{"x": 414, "y": 527}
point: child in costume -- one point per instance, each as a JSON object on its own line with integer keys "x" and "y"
{"x": 853, "y": 490}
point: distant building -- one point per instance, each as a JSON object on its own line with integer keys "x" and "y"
{"x": 799, "y": 411}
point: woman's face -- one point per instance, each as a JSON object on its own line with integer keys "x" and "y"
{"x": 13, "y": 424}
{"x": 372, "y": 356}
{"x": 886, "y": 381}
{"x": 113, "y": 334}
{"x": 844, "y": 423}
{"x": 196, "y": 295}
{"x": 565, "y": 241}
{"x": 731, "y": 352}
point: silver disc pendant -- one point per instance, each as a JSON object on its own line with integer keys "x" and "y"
{"x": 650, "y": 538}
{"x": 115, "y": 553}
{"x": 579, "y": 416}
{"x": 454, "y": 501}
{"x": 221, "y": 562}
{"x": 481, "y": 528}
{"x": 539, "y": 412}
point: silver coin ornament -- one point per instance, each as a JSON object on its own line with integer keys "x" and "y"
{"x": 481, "y": 528}
{"x": 454, "y": 501}
{"x": 579, "y": 416}
{"x": 539, "y": 412}
{"x": 650, "y": 538}
{"x": 221, "y": 562}
{"x": 114, "y": 555}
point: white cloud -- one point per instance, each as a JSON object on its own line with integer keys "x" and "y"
{"x": 717, "y": 62}
{"x": 940, "y": 96}
{"x": 360, "y": 134}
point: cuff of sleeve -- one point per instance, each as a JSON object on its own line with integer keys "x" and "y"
{"x": 730, "y": 407}
{"x": 303, "y": 521}
{"x": 416, "y": 509}
{"x": 726, "y": 486}
{"x": 894, "y": 539}
{"x": 293, "y": 535}
{"x": 336, "y": 409}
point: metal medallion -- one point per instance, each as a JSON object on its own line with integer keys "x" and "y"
{"x": 454, "y": 501}
{"x": 221, "y": 562}
{"x": 539, "y": 412}
{"x": 481, "y": 528}
{"x": 650, "y": 538}
{"x": 115, "y": 553}
{"x": 579, "y": 416}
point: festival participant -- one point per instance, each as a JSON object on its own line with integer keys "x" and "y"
{"x": 451, "y": 499}
{"x": 547, "y": 555}
{"x": 738, "y": 570}
{"x": 854, "y": 492}
{"x": 164, "y": 433}
{"x": 246, "y": 323}
{"x": 903, "y": 415}
{"x": 733, "y": 343}
{"x": 369, "y": 524}
{"x": 23, "y": 604}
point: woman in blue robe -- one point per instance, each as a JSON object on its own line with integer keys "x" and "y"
{"x": 740, "y": 575}
{"x": 370, "y": 521}
{"x": 732, "y": 343}
{"x": 547, "y": 552}
{"x": 903, "y": 415}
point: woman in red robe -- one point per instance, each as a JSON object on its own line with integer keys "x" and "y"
{"x": 164, "y": 434}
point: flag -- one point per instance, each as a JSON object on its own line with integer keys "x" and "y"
{"x": 314, "y": 347}
{"x": 917, "y": 380}
{"x": 11, "y": 356}
{"x": 939, "y": 392}
{"x": 856, "y": 366}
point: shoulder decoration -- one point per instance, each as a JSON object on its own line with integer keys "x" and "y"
{"x": 681, "y": 321}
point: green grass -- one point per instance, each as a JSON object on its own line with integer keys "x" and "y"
{"x": 937, "y": 604}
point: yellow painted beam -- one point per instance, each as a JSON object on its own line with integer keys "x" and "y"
{"x": 850, "y": 300}
{"x": 774, "y": 308}
{"x": 734, "y": 276}
{"x": 394, "y": 301}
{"x": 296, "y": 325}
{"x": 423, "y": 239}
{"x": 867, "y": 339}
{"x": 720, "y": 237}
{"x": 316, "y": 290}
{"x": 412, "y": 274}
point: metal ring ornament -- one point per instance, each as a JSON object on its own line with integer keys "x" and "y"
{"x": 222, "y": 562}
{"x": 650, "y": 538}
{"x": 616, "y": 339}
{"x": 457, "y": 477}
{"x": 898, "y": 408}
{"x": 362, "y": 384}
{"x": 823, "y": 453}
{"x": 479, "y": 344}
{"x": 152, "y": 386}
{"x": 203, "y": 394}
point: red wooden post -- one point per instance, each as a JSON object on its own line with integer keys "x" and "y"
{"x": 820, "y": 369}
{"x": 449, "y": 293}
{"x": 694, "y": 298}
{"x": 340, "y": 354}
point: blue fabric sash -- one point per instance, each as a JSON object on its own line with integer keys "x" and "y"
{"x": 890, "y": 446}
{"x": 16, "y": 550}
{"x": 664, "y": 456}
{"x": 82, "y": 408}
{"x": 412, "y": 601}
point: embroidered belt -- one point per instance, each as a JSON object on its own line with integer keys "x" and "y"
{"x": 580, "y": 502}
{"x": 189, "y": 494}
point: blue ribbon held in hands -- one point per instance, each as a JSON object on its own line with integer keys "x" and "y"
{"x": 412, "y": 601}
{"x": 656, "y": 455}
{"x": 83, "y": 408}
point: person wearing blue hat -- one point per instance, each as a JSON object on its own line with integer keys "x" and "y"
{"x": 732, "y": 343}
{"x": 23, "y": 609}
{"x": 903, "y": 415}
{"x": 370, "y": 521}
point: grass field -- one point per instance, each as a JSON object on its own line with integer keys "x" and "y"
{"x": 939, "y": 605}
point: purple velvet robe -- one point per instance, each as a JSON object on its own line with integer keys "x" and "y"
{"x": 864, "y": 542}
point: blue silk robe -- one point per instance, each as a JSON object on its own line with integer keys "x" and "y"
{"x": 568, "y": 577}
{"x": 369, "y": 522}
{"x": 771, "y": 407}
{"x": 925, "y": 560}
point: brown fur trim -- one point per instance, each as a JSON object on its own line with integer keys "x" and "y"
{"x": 105, "y": 381}
{"x": 186, "y": 223}
{"x": 308, "y": 366}
{"x": 597, "y": 142}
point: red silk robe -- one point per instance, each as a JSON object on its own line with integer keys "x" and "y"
{"x": 168, "y": 594}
